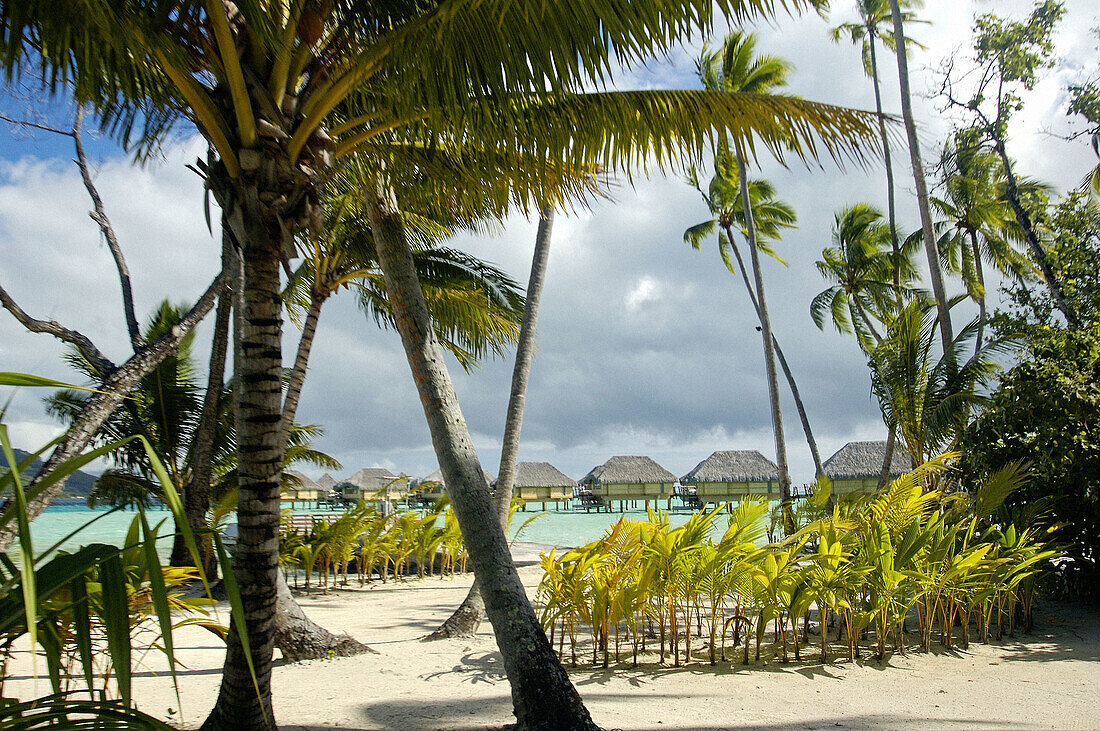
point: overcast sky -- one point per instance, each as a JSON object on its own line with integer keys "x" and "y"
{"x": 644, "y": 345}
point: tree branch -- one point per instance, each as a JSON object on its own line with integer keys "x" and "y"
{"x": 82, "y": 343}
{"x": 99, "y": 215}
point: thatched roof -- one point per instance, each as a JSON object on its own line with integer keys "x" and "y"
{"x": 862, "y": 460}
{"x": 734, "y": 465}
{"x": 326, "y": 481}
{"x": 299, "y": 481}
{"x": 372, "y": 479}
{"x": 541, "y": 474}
{"x": 628, "y": 470}
{"x": 437, "y": 476}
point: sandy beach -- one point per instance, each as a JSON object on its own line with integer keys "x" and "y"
{"x": 1047, "y": 679}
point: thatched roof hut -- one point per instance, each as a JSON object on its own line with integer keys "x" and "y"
{"x": 436, "y": 491}
{"x": 731, "y": 474}
{"x": 326, "y": 482}
{"x": 297, "y": 486}
{"x": 630, "y": 477}
{"x": 541, "y": 481}
{"x": 733, "y": 465}
{"x": 369, "y": 481}
{"x": 857, "y": 466}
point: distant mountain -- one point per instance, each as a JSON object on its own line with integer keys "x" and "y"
{"x": 78, "y": 484}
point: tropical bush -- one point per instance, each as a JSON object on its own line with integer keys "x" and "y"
{"x": 93, "y": 611}
{"x": 920, "y": 548}
{"x": 386, "y": 546}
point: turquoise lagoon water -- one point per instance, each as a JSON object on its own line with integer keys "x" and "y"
{"x": 556, "y": 528}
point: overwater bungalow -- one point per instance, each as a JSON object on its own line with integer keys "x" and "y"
{"x": 731, "y": 474}
{"x": 542, "y": 482}
{"x": 857, "y": 466}
{"x": 628, "y": 480}
{"x": 371, "y": 483}
{"x": 434, "y": 487}
{"x": 326, "y": 482}
{"x": 297, "y": 488}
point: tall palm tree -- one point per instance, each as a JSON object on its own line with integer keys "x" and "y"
{"x": 860, "y": 267}
{"x": 927, "y": 233}
{"x": 280, "y": 90}
{"x": 723, "y": 199}
{"x": 466, "y": 618}
{"x": 874, "y": 25}
{"x": 983, "y": 227}
{"x": 736, "y": 68}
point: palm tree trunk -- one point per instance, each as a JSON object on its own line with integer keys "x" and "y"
{"x": 976, "y": 252}
{"x": 891, "y": 209}
{"x": 542, "y": 695}
{"x": 301, "y": 361}
{"x": 891, "y": 444}
{"x": 938, "y": 289}
{"x": 467, "y": 618}
{"x": 196, "y": 496}
{"x": 769, "y": 350}
{"x": 810, "y": 441}
{"x": 240, "y": 703}
{"x": 1023, "y": 218}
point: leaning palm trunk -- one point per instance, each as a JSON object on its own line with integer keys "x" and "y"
{"x": 260, "y": 457}
{"x": 543, "y": 696}
{"x": 1023, "y": 219}
{"x": 979, "y": 275}
{"x": 769, "y": 350}
{"x": 799, "y": 406}
{"x": 467, "y": 618}
{"x": 934, "y": 271}
{"x": 891, "y": 209}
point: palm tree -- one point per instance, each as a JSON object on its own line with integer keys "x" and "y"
{"x": 860, "y": 267}
{"x": 733, "y": 68}
{"x": 929, "y": 398}
{"x": 982, "y": 224}
{"x": 422, "y": 94}
{"x": 770, "y": 215}
{"x": 874, "y": 16}
{"x": 165, "y": 408}
{"x": 934, "y": 272}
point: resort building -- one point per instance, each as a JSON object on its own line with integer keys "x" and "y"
{"x": 299, "y": 488}
{"x": 327, "y": 483}
{"x": 542, "y": 482}
{"x": 857, "y": 466}
{"x": 732, "y": 474}
{"x": 373, "y": 483}
{"x": 629, "y": 480}
{"x": 432, "y": 492}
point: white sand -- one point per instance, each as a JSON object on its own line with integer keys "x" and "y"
{"x": 1048, "y": 679}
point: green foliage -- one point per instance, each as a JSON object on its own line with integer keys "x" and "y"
{"x": 870, "y": 560}
{"x": 1045, "y": 409}
{"x": 390, "y": 546}
{"x": 929, "y": 397}
{"x": 859, "y": 267}
{"x": 91, "y": 607}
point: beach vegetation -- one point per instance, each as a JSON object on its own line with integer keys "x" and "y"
{"x": 920, "y": 550}
{"x": 93, "y": 612}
